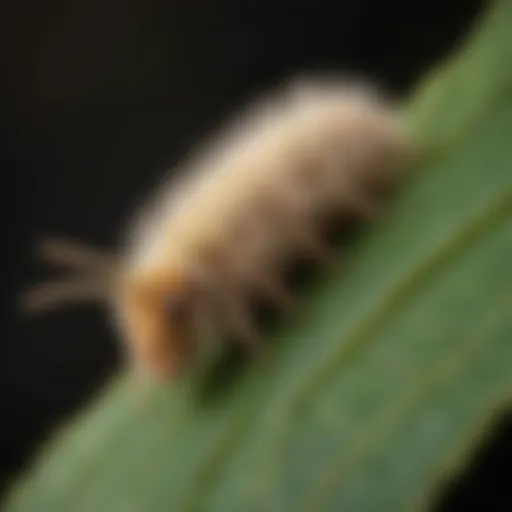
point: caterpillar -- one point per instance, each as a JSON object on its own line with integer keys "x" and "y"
{"x": 246, "y": 204}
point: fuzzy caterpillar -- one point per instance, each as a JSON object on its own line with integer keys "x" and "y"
{"x": 248, "y": 203}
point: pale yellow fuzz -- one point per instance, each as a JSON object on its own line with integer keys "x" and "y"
{"x": 243, "y": 206}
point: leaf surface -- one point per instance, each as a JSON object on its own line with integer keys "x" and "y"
{"x": 385, "y": 384}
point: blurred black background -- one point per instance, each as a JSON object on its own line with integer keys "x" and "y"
{"x": 103, "y": 96}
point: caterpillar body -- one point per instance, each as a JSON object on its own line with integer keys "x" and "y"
{"x": 247, "y": 204}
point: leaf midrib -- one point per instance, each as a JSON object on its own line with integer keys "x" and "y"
{"x": 432, "y": 378}
{"x": 451, "y": 245}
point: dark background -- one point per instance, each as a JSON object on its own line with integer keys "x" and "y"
{"x": 102, "y": 96}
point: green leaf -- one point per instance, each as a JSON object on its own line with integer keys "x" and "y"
{"x": 384, "y": 386}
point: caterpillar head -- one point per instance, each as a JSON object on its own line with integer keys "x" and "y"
{"x": 159, "y": 314}
{"x": 157, "y": 311}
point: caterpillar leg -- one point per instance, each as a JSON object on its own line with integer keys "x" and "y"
{"x": 310, "y": 242}
{"x": 240, "y": 322}
{"x": 297, "y": 221}
{"x": 245, "y": 268}
{"x": 274, "y": 290}
{"x": 347, "y": 189}
{"x": 348, "y": 194}
{"x": 357, "y": 201}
